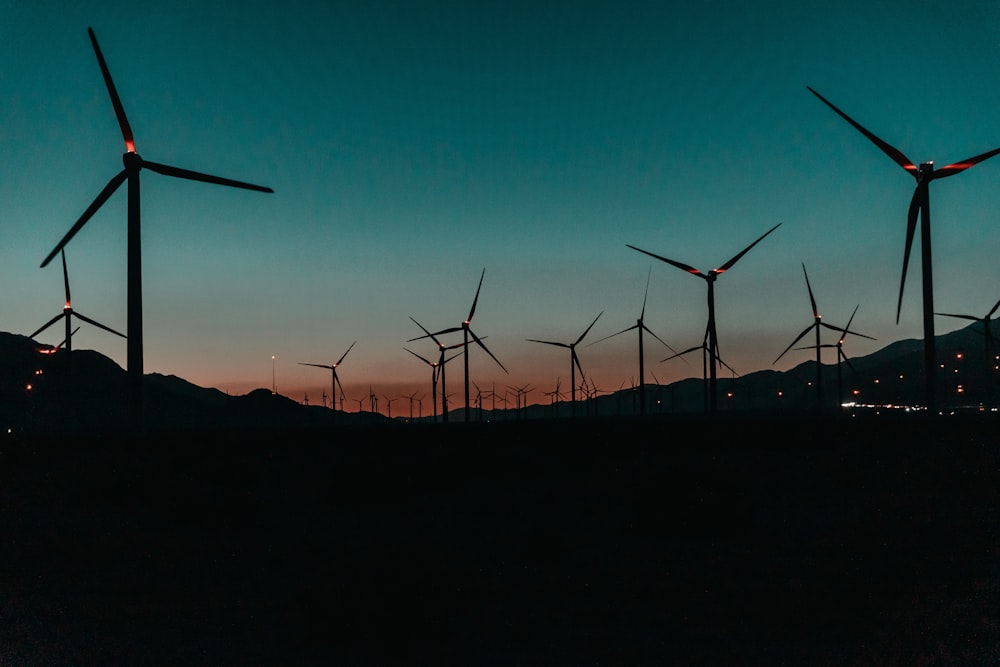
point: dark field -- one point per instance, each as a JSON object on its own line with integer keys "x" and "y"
{"x": 796, "y": 542}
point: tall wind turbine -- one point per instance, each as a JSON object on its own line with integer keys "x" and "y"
{"x": 335, "y": 381}
{"x": 68, "y": 313}
{"x": 133, "y": 164}
{"x": 817, "y": 324}
{"x": 574, "y": 360}
{"x": 920, "y": 203}
{"x": 990, "y": 338}
{"x": 710, "y": 277}
{"x": 640, "y": 325}
{"x": 442, "y": 350}
{"x": 466, "y": 332}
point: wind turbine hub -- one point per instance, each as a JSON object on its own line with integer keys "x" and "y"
{"x": 131, "y": 160}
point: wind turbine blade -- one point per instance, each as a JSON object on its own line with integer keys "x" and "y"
{"x": 472, "y": 311}
{"x": 964, "y": 317}
{"x": 316, "y": 365}
{"x": 845, "y": 331}
{"x": 634, "y": 326}
{"x": 650, "y": 332}
{"x": 547, "y": 342}
{"x": 71, "y": 333}
{"x": 337, "y": 379}
{"x": 48, "y": 324}
{"x": 720, "y": 360}
{"x": 681, "y": 354}
{"x": 108, "y": 190}
{"x": 99, "y": 325}
{"x": 69, "y": 300}
{"x": 911, "y": 227}
{"x": 429, "y": 334}
{"x": 483, "y": 345}
{"x": 809, "y": 287}
{"x": 891, "y": 151}
{"x": 448, "y": 331}
{"x": 113, "y": 92}
{"x": 833, "y": 327}
{"x": 679, "y": 265}
{"x": 728, "y": 265}
{"x": 588, "y": 328}
{"x": 426, "y": 361}
{"x": 797, "y": 339}
{"x": 198, "y": 176}
{"x": 851, "y": 319}
{"x": 993, "y": 309}
{"x": 345, "y": 353}
{"x": 952, "y": 169}
{"x": 574, "y": 359}
{"x": 642, "y": 313}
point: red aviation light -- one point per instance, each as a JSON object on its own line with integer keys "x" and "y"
{"x": 129, "y": 146}
{"x": 67, "y": 306}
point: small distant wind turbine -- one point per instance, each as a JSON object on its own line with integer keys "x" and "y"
{"x": 574, "y": 360}
{"x": 920, "y": 203}
{"x": 815, "y": 326}
{"x": 68, "y": 313}
{"x": 466, "y": 332}
{"x": 710, "y": 277}
{"x": 335, "y": 381}
{"x": 990, "y": 339}
{"x": 442, "y": 350}
{"x": 434, "y": 378}
{"x": 133, "y": 165}
{"x": 841, "y": 356}
{"x": 640, "y": 325}
{"x": 705, "y": 353}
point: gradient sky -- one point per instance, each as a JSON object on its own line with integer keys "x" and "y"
{"x": 411, "y": 145}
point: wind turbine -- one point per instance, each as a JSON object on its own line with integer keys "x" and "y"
{"x": 841, "y": 356}
{"x": 990, "y": 338}
{"x": 574, "y": 360}
{"x": 815, "y": 326}
{"x": 705, "y": 352}
{"x": 710, "y": 277}
{"x": 466, "y": 332}
{"x": 68, "y": 313}
{"x": 435, "y": 365}
{"x": 335, "y": 381}
{"x": 920, "y": 203}
{"x": 442, "y": 350}
{"x": 640, "y": 325}
{"x": 133, "y": 164}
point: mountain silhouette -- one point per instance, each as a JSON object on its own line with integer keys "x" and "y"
{"x": 49, "y": 390}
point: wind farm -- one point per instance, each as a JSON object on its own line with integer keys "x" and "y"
{"x": 190, "y": 487}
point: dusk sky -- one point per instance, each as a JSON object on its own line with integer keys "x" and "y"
{"x": 411, "y": 145}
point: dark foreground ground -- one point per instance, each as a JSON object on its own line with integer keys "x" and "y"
{"x": 767, "y": 542}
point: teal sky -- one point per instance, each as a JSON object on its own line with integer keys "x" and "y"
{"x": 412, "y": 145}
